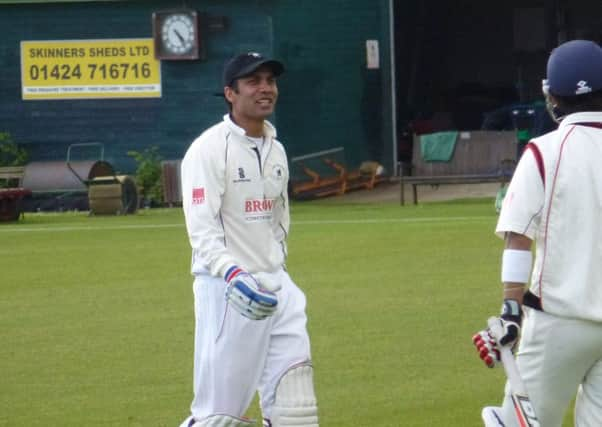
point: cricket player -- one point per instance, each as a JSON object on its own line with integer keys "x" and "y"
{"x": 555, "y": 200}
{"x": 250, "y": 319}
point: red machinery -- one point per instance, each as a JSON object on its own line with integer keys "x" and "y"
{"x": 10, "y": 203}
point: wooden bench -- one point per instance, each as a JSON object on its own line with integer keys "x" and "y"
{"x": 479, "y": 157}
{"x": 449, "y": 179}
{"x": 319, "y": 185}
{"x": 337, "y": 182}
{"x": 366, "y": 177}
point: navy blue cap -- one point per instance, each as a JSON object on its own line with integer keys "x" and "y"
{"x": 574, "y": 68}
{"x": 247, "y": 63}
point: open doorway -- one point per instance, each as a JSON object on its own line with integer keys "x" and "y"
{"x": 460, "y": 64}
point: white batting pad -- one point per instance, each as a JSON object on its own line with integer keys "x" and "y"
{"x": 219, "y": 420}
{"x": 492, "y": 416}
{"x": 295, "y": 404}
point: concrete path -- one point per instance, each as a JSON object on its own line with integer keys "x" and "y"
{"x": 391, "y": 193}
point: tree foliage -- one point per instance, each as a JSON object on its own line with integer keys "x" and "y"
{"x": 11, "y": 153}
{"x": 148, "y": 174}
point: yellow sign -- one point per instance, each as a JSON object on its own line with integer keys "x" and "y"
{"x": 68, "y": 69}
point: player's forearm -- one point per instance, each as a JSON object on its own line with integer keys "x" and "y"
{"x": 514, "y": 291}
{"x": 207, "y": 241}
{"x": 515, "y": 287}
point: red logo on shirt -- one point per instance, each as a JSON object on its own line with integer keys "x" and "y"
{"x": 259, "y": 205}
{"x": 198, "y": 196}
{"x": 259, "y": 210}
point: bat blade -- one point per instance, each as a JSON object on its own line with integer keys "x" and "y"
{"x": 525, "y": 414}
{"x": 523, "y": 408}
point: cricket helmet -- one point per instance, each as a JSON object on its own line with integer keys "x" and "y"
{"x": 574, "y": 68}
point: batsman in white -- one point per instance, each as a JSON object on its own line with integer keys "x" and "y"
{"x": 250, "y": 320}
{"x": 555, "y": 200}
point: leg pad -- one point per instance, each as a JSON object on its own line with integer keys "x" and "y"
{"x": 492, "y": 416}
{"x": 295, "y": 404}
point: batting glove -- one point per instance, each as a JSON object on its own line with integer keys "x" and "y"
{"x": 247, "y": 296}
{"x": 512, "y": 319}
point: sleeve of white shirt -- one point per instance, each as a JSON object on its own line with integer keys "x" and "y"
{"x": 523, "y": 203}
{"x": 203, "y": 184}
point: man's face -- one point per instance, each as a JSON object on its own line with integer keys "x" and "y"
{"x": 254, "y": 96}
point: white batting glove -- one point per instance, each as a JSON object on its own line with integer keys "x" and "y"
{"x": 510, "y": 322}
{"x": 247, "y": 296}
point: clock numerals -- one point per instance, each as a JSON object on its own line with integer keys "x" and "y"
{"x": 176, "y": 35}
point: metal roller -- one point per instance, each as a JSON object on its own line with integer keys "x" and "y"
{"x": 63, "y": 177}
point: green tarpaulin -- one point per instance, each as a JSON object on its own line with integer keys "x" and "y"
{"x": 439, "y": 146}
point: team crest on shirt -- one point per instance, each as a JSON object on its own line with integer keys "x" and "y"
{"x": 278, "y": 172}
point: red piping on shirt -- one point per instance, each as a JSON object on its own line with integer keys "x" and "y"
{"x": 545, "y": 246}
{"x": 591, "y": 124}
{"x": 538, "y": 159}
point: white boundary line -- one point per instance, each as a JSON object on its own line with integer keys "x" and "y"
{"x": 18, "y": 229}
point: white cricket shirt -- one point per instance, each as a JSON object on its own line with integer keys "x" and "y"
{"x": 555, "y": 198}
{"x": 235, "y": 200}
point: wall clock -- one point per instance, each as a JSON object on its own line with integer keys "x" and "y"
{"x": 176, "y": 34}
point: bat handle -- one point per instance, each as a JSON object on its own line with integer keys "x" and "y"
{"x": 525, "y": 413}
{"x": 512, "y": 370}
{"x": 507, "y": 357}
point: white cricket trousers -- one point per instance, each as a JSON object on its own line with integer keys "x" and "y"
{"x": 234, "y": 356}
{"x": 557, "y": 357}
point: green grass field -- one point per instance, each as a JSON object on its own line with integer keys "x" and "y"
{"x": 96, "y": 315}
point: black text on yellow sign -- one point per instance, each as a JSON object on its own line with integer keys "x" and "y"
{"x": 121, "y": 68}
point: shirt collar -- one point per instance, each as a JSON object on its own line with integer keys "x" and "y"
{"x": 269, "y": 130}
{"x": 586, "y": 117}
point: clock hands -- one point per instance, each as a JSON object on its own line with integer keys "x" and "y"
{"x": 179, "y": 36}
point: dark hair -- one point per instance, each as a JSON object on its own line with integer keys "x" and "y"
{"x": 234, "y": 87}
{"x": 575, "y": 104}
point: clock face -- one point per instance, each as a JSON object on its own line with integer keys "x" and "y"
{"x": 178, "y": 33}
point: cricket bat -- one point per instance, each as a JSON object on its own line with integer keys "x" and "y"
{"x": 523, "y": 409}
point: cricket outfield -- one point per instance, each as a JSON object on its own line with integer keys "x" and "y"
{"x": 96, "y": 315}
